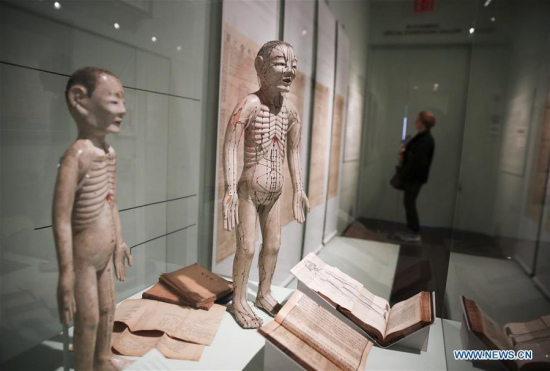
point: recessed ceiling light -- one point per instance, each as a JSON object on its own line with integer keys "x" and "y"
{"x": 57, "y": 5}
{"x": 154, "y": 39}
{"x": 116, "y": 25}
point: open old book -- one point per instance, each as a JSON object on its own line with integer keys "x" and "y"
{"x": 384, "y": 324}
{"x": 533, "y": 335}
{"x": 315, "y": 338}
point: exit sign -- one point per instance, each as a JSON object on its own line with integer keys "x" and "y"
{"x": 423, "y": 6}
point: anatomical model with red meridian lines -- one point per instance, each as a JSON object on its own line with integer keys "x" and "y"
{"x": 272, "y": 132}
{"x": 86, "y": 222}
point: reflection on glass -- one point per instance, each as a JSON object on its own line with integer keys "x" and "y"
{"x": 158, "y": 154}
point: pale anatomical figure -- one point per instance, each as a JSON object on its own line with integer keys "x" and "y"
{"x": 272, "y": 130}
{"x": 86, "y": 222}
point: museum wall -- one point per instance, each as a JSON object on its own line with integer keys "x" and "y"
{"x": 468, "y": 188}
{"x": 489, "y": 174}
{"x": 354, "y": 18}
{"x": 397, "y": 89}
{"x": 502, "y": 195}
{"x": 319, "y": 157}
{"x": 158, "y": 154}
{"x": 521, "y": 212}
{"x": 504, "y": 117}
{"x": 504, "y": 173}
{"x": 298, "y": 30}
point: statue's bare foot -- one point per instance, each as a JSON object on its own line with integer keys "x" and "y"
{"x": 111, "y": 363}
{"x": 245, "y": 316}
{"x": 268, "y": 303}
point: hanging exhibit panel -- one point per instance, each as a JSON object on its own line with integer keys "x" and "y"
{"x": 321, "y": 129}
{"x": 246, "y": 26}
{"x": 337, "y": 138}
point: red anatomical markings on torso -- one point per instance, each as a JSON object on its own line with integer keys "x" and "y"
{"x": 95, "y": 190}
{"x": 267, "y": 132}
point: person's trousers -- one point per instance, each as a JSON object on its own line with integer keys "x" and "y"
{"x": 412, "y": 190}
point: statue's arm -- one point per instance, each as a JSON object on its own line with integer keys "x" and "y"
{"x": 122, "y": 251}
{"x": 299, "y": 200}
{"x": 64, "y": 195}
{"x": 235, "y": 128}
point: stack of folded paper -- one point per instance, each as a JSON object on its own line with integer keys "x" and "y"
{"x": 177, "y": 332}
{"x": 181, "y": 319}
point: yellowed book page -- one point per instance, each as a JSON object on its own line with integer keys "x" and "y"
{"x": 184, "y": 323}
{"x": 527, "y": 332}
{"x": 531, "y": 337}
{"x": 129, "y": 344}
{"x": 494, "y": 332}
{"x": 522, "y": 328}
{"x": 372, "y": 309}
{"x": 329, "y": 281}
{"x": 336, "y": 145}
{"x": 324, "y": 332}
{"x": 177, "y": 349}
{"x": 201, "y": 326}
{"x": 343, "y": 290}
{"x": 319, "y": 143}
{"x": 296, "y": 348}
{"x": 307, "y": 269}
{"x": 161, "y": 316}
{"x": 118, "y": 329}
{"x": 404, "y": 314}
{"x": 130, "y": 311}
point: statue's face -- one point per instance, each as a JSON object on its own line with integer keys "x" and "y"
{"x": 106, "y": 107}
{"x": 280, "y": 69}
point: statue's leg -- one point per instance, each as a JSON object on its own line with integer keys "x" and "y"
{"x": 104, "y": 357}
{"x": 86, "y": 317}
{"x": 246, "y": 239}
{"x": 270, "y": 222}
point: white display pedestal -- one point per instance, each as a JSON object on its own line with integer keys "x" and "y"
{"x": 235, "y": 348}
{"x": 276, "y": 360}
{"x": 415, "y": 341}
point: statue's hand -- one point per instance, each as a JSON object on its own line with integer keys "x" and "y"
{"x": 230, "y": 211}
{"x": 122, "y": 252}
{"x": 65, "y": 297}
{"x": 300, "y": 201}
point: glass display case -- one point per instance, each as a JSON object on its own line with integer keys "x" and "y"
{"x": 365, "y": 71}
{"x": 159, "y": 50}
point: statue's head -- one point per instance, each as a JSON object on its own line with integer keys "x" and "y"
{"x": 276, "y": 65}
{"x": 96, "y": 100}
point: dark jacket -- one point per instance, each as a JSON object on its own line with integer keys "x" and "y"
{"x": 417, "y": 158}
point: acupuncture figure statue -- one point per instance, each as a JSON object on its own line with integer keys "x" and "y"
{"x": 86, "y": 222}
{"x": 272, "y": 131}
